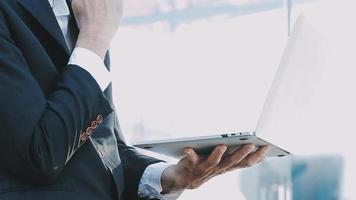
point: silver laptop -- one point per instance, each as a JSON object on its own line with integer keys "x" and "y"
{"x": 291, "y": 89}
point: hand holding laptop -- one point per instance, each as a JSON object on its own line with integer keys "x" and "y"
{"x": 193, "y": 170}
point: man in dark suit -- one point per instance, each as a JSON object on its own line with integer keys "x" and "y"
{"x": 59, "y": 136}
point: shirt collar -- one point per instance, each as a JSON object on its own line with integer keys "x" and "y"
{"x": 60, "y": 7}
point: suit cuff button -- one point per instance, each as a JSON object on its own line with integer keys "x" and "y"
{"x": 83, "y": 136}
{"x": 94, "y": 124}
{"x": 89, "y": 131}
{"x": 99, "y": 119}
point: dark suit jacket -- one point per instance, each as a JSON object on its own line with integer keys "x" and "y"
{"x": 47, "y": 151}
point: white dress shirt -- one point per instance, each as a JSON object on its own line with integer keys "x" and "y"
{"x": 150, "y": 183}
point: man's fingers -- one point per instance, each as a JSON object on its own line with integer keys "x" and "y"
{"x": 239, "y": 166}
{"x": 262, "y": 159}
{"x": 237, "y": 156}
{"x": 192, "y": 156}
{"x": 214, "y": 158}
{"x": 243, "y": 164}
{"x": 255, "y": 157}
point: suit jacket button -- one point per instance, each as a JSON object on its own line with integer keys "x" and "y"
{"x": 83, "y": 136}
{"x": 94, "y": 124}
{"x": 99, "y": 119}
{"x": 89, "y": 130}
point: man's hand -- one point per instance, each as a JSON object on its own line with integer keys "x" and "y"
{"x": 194, "y": 170}
{"x": 98, "y": 21}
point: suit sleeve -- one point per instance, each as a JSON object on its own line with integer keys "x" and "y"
{"x": 40, "y": 132}
{"x": 134, "y": 165}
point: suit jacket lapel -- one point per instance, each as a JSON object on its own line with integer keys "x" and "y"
{"x": 42, "y": 12}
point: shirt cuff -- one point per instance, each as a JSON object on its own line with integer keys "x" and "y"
{"x": 150, "y": 185}
{"x": 93, "y": 64}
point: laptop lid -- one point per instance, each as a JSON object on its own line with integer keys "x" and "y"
{"x": 295, "y": 82}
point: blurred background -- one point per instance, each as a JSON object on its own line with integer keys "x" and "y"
{"x": 204, "y": 67}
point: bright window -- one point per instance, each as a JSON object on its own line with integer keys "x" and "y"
{"x": 198, "y": 67}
